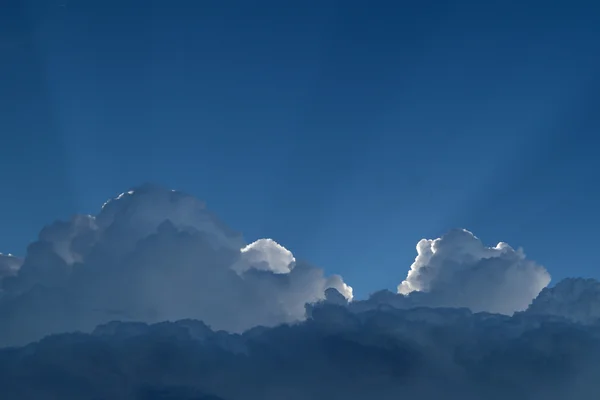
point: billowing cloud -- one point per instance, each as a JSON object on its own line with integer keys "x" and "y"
{"x": 151, "y": 255}
{"x": 457, "y": 270}
{"x": 461, "y": 325}
{"x": 266, "y": 255}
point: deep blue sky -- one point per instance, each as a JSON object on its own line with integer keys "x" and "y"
{"x": 344, "y": 131}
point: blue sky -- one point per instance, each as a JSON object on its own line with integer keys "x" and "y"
{"x": 345, "y": 132}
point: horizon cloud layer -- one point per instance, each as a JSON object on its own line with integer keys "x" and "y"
{"x": 424, "y": 353}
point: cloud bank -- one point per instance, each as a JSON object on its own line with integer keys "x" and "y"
{"x": 421, "y": 353}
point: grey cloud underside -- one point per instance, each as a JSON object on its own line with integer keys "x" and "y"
{"x": 338, "y": 353}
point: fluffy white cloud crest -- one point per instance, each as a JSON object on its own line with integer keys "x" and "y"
{"x": 457, "y": 270}
{"x": 137, "y": 213}
{"x": 266, "y": 255}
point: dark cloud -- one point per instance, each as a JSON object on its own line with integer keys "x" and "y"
{"x": 423, "y": 353}
{"x": 575, "y": 299}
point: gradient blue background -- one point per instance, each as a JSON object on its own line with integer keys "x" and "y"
{"x": 345, "y": 130}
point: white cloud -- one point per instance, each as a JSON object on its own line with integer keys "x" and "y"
{"x": 153, "y": 254}
{"x": 457, "y": 270}
{"x": 266, "y": 255}
{"x": 137, "y": 213}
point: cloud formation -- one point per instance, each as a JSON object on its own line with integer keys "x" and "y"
{"x": 423, "y": 353}
{"x": 153, "y": 254}
{"x": 457, "y": 270}
{"x": 468, "y": 322}
{"x": 265, "y": 255}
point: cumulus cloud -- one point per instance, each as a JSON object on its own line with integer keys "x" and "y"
{"x": 457, "y": 270}
{"x": 468, "y": 322}
{"x": 266, "y": 255}
{"x": 150, "y": 255}
{"x": 153, "y": 254}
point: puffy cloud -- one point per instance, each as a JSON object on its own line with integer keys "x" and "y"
{"x": 137, "y": 213}
{"x": 337, "y": 353}
{"x": 150, "y": 255}
{"x": 266, "y": 255}
{"x": 153, "y": 255}
{"x": 457, "y": 270}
